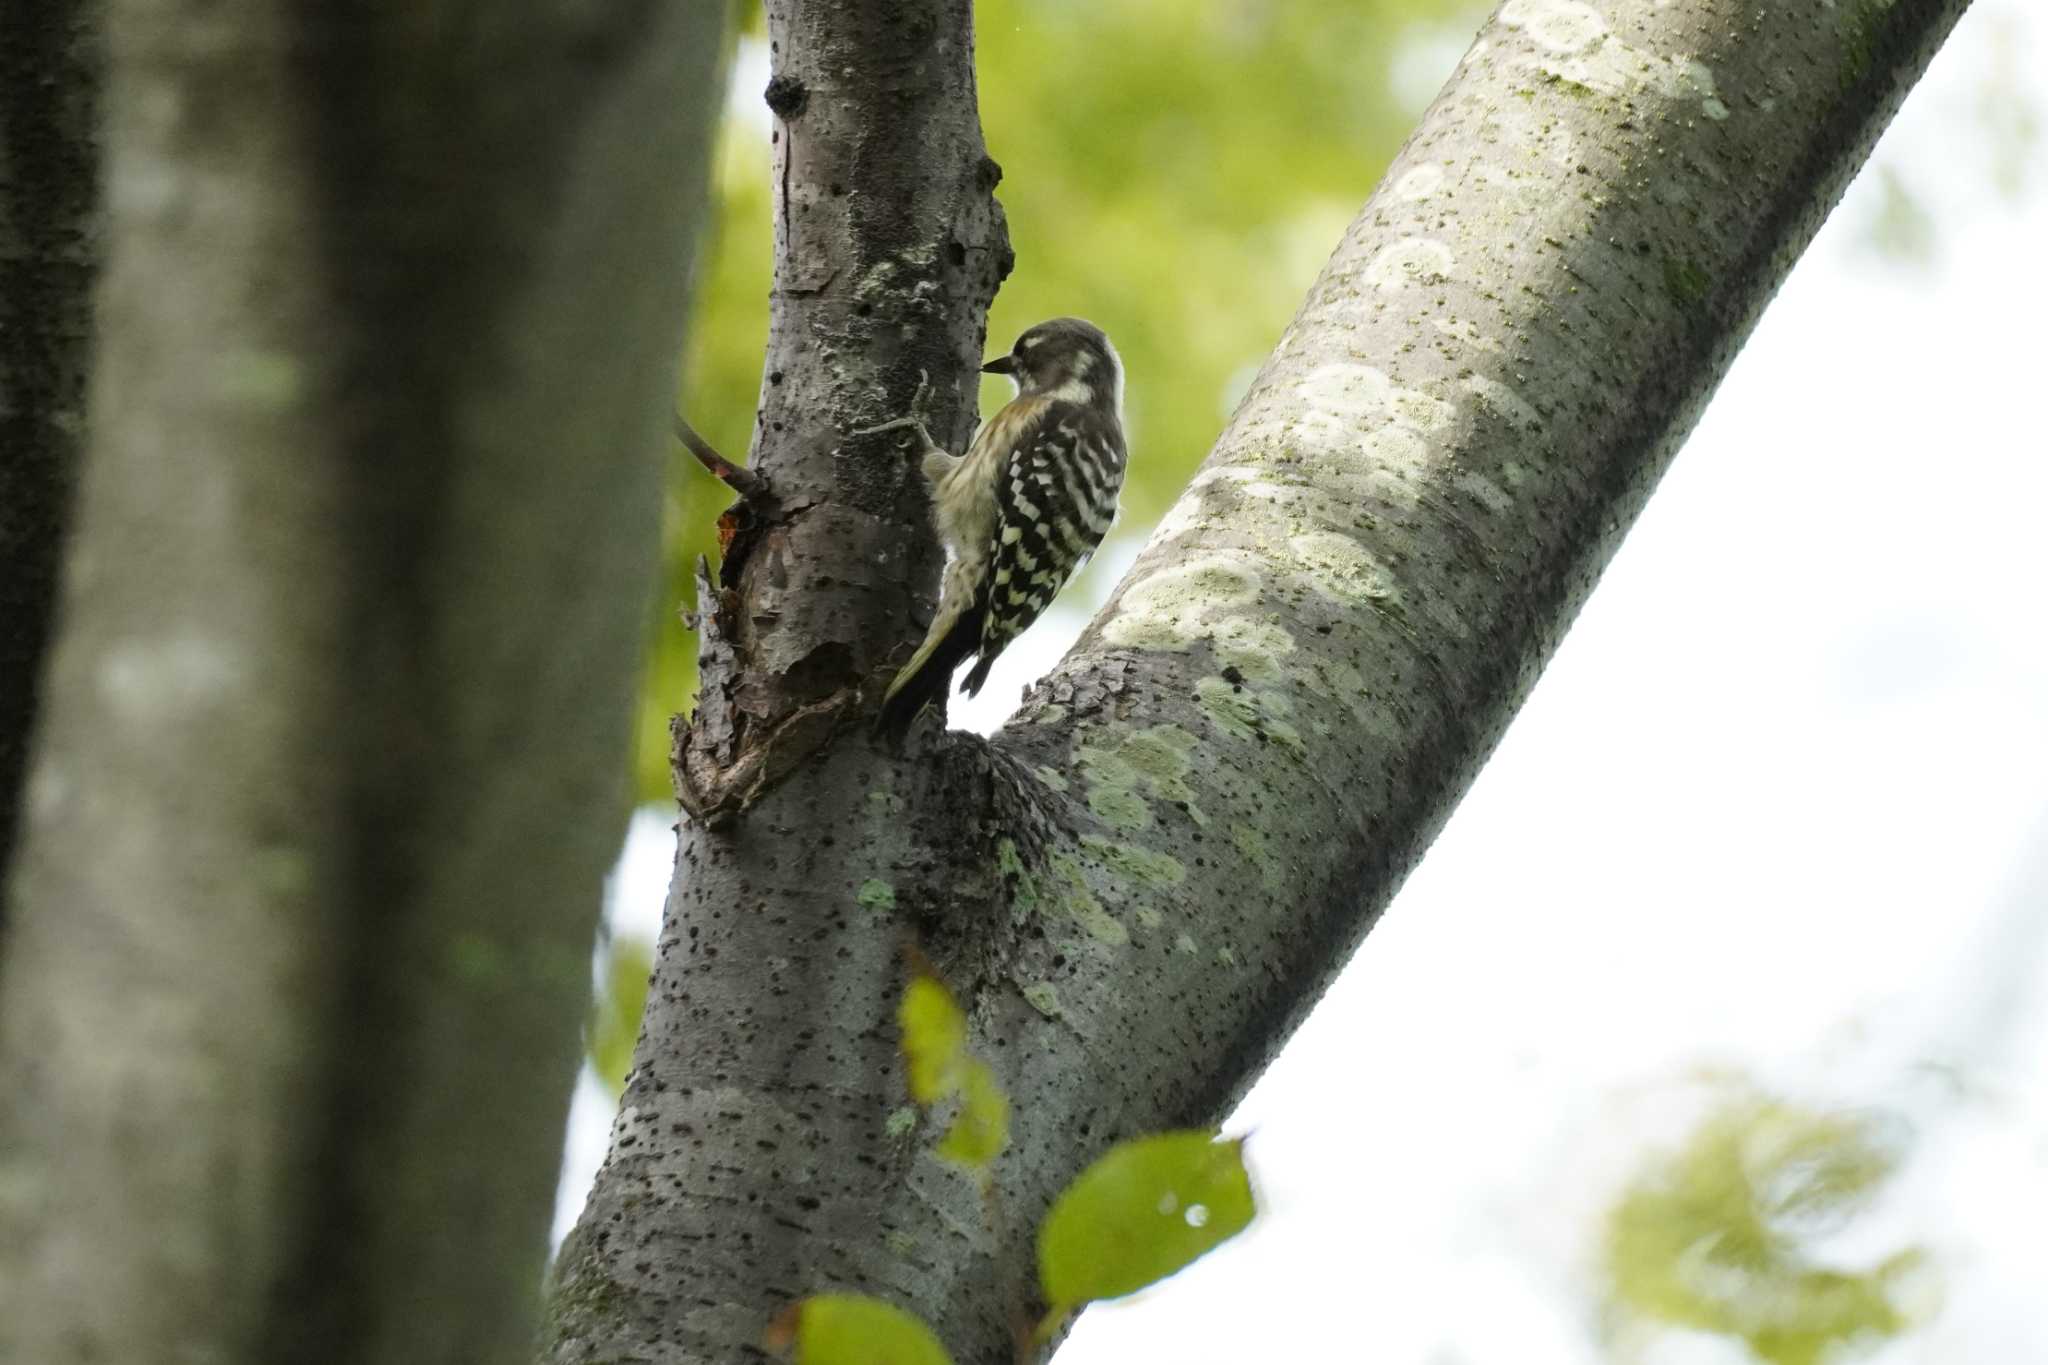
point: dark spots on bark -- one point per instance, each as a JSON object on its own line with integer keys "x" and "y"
{"x": 786, "y": 96}
{"x": 956, "y": 254}
{"x": 987, "y": 175}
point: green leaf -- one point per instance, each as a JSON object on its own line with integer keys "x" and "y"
{"x": 1736, "y": 1231}
{"x": 1145, "y": 1209}
{"x": 614, "y": 1023}
{"x": 934, "y": 1039}
{"x": 982, "y": 1128}
{"x": 852, "y": 1329}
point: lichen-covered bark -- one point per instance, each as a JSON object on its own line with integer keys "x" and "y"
{"x": 1146, "y": 879}
{"x": 49, "y": 251}
{"x": 339, "y": 709}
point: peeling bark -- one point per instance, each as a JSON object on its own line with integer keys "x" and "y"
{"x": 1146, "y": 879}
{"x": 339, "y": 712}
{"x": 49, "y": 255}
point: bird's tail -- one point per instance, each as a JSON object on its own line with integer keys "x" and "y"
{"x": 923, "y": 680}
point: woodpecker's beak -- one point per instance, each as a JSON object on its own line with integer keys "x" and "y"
{"x": 1002, "y": 364}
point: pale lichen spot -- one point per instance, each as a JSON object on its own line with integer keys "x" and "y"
{"x": 1149, "y": 918}
{"x": 875, "y": 281}
{"x": 1251, "y": 845}
{"x": 1227, "y": 956}
{"x": 1052, "y": 777}
{"x": 1421, "y": 182}
{"x": 1153, "y": 760}
{"x": 1346, "y": 389}
{"x": 1339, "y": 567}
{"x": 1248, "y": 713}
{"x": 1166, "y": 609}
{"x": 1421, "y": 411}
{"x": 1252, "y": 646}
{"x": 1698, "y": 79}
{"x": 1503, "y": 400}
{"x": 876, "y": 897}
{"x": 1133, "y": 863}
{"x": 1410, "y": 261}
{"x": 1580, "y": 50}
{"x": 1394, "y": 446}
{"x": 1559, "y": 25}
{"x": 1467, "y": 332}
{"x": 1097, "y": 922}
{"x": 1489, "y": 494}
{"x": 1185, "y": 943}
{"x": 1044, "y": 997}
{"x": 1119, "y": 807}
{"x": 1229, "y": 708}
{"x": 901, "y": 1121}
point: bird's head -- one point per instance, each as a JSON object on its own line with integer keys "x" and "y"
{"x": 1066, "y": 359}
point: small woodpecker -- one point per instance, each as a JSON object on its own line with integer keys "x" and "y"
{"x": 1021, "y": 510}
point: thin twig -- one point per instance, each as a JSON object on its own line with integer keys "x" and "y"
{"x": 738, "y": 478}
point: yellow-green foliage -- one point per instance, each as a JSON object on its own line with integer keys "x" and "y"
{"x": 940, "y": 1067}
{"x": 614, "y": 1022}
{"x": 1719, "y": 1236}
{"x": 853, "y": 1329}
{"x": 1175, "y": 171}
{"x": 1143, "y": 1210}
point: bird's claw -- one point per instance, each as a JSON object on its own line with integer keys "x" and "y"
{"x": 914, "y": 420}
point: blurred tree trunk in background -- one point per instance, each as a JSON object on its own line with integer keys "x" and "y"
{"x": 332, "y": 761}
{"x": 1144, "y": 881}
{"x": 49, "y": 250}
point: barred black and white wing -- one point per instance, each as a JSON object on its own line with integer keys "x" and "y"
{"x": 1055, "y": 501}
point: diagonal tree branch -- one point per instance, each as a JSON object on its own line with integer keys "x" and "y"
{"x": 737, "y": 477}
{"x": 1146, "y": 879}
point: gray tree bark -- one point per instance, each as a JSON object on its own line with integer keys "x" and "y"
{"x": 1146, "y": 879}
{"x": 49, "y": 254}
{"x": 332, "y": 764}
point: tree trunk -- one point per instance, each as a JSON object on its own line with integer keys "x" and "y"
{"x": 1146, "y": 879}
{"x": 332, "y": 764}
{"x": 49, "y": 253}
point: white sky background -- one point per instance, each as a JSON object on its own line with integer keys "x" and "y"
{"x": 1779, "y": 807}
